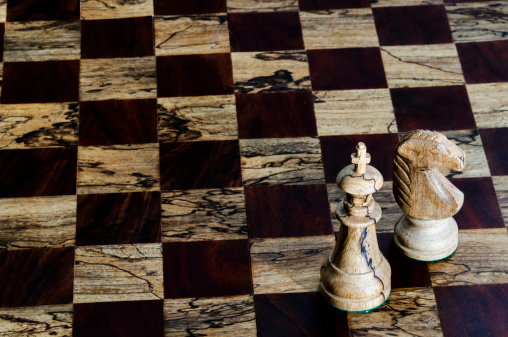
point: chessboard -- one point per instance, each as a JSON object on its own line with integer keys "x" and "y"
{"x": 167, "y": 167}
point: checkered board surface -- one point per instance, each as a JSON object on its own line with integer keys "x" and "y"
{"x": 167, "y": 167}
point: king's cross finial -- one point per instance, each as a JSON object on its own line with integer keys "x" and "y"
{"x": 361, "y": 158}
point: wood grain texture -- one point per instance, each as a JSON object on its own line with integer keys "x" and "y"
{"x": 270, "y": 71}
{"x": 310, "y": 5}
{"x": 198, "y": 215}
{"x": 480, "y": 259}
{"x": 38, "y": 172}
{"x": 501, "y": 187}
{"x": 261, "y": 5}
{"x": 194, "y": 34}
{"x": 36, "y": 276}
{"x": 118, "y": 273}
{"x": 250, "y": 32}
{"x": 408, "y": 312}
{"x": 42, "y": 41}
{"x": 287, "y": 211}
{"x": 359, "y": 112}
{"x": 120, "y": 168}
{"x": 392, "y": 3}
{"x": 343, "y": 28}
{"x": 34, "y": 10}
{"x": 208, "y": 164}
{"x": 118, "y": 218}
{"x": 384, "y": 197}
{"x": 197, "y": 118}
{"x": 494, "y": 141}
{"x": 483, "y": 21}
{"x": 482, "y": 62}
{"x": 298, "y": 314}
{"x": 189, "y": 7}
{"x": 422, "y": 66}
{"x": 38, "y": 125}
{"x": 37, "y": 222}
{"x": 126, "y": 319}
{"x": 109, "y": 9}
{"x": 118, "y": 78}
{"x": 478, "y": 310}
{"x": 220, "y": 268}
{"x": 3, "y": 10}
{"x": 288, "y": 265}
{"x": 470, "y": 142}
{"x": 281, "y": 161}
{"x": 489, "y": 103}
{"x": 41, "y": 321}
{"x": 220, "y": 316}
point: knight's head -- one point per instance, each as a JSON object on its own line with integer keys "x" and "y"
{"x": 428, "y": 149}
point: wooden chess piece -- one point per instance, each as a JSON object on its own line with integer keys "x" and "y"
{"x": 427, "y": 231}
{"x": 356, "y": 276}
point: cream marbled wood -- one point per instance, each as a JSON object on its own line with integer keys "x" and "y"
{"x": 356, "y": 276}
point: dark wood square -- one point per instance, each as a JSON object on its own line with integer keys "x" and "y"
{"x": 206, "y": 269}
{"x": 265, "y": 31}
{"x": 40, "y": 10}
{"x": 349, "y": 68}
{"x": 126, "y": 319}
{"x": 275, "y": 115}
{"x": 495, "y": 144}
{"x": 433, "y": 108}
{"x": 36, "y": 277}
{"x": 129, "y": 37}
{"x": 475, "y": 310}
{"x": 481, "y": 207}
{"x": 406, "y": 272}
{"x": 287, "y": 211}
{"x": 194, "y": 75}
{"x": 185, "y": 7}
{"x": 310, "y": 5}
{"x": 484, "y": 62}
{"x": 40, "y": 82}
{"x": 2, "y": 34}
{"x": 118, "y": 218}
{"x": 337, "y": 150}
{"x": 204, "y": 164}
{"x": 298, "y": 314}
{"x": 38, "y": 172}
{"x": 412, "y": 25}
{"x": 114, "y": 122}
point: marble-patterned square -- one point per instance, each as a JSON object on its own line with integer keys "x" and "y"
{"x": 476, "y": 161}
{"x": 3, "y": 10}
{"x": 218, "y": 316}
{"x": 415, "y": 25}
{"x": 482, "y": 21}
{"x": 343, "y": 28}
{"x": 40, "y": 10}
{"x": 48, "y": 222}
{"x": 251, "y": 32}
{"x": 118, "y": 168}
{"x": 480, "y": 259}
{"x": 118, "y": 78}
{"x": 110, "y": 9}
{"x": 261, "y": 5}
{"x": 501, "y": 187}
{"x": 38, "y": 125}
{"x": 197, "y": 118}
{"x": 49, "y": 320}
{"x": 118, "y": 273}
{"x": 345, "y": 112}
{"x": 270, "y": 71}
{"x": 281, "y": 161}
{"x": 125, "y": 318}
{"x": 200, "y": 215}
{"x": 288, "y": 265}
{"x": 192, "y": 34}
{"x": 483, "y": 62}
{"x": 407, "y": 312}
{"x": 489, "y": 103}
{"x": 422, "y": 66}
{"x": 42, "y": 41}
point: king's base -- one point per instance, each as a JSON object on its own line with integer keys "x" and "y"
{"x": 422, "y": 240}
{"x": 354, "y": 305}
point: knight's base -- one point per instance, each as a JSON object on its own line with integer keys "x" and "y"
{"x": 350, "y": 305}
{"x": 427, "y": 241}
